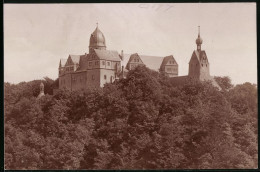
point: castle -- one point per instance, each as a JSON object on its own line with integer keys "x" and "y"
{"x": 101, "y": 66}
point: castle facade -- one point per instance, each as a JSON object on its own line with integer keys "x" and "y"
{"x": 101, "y": 66}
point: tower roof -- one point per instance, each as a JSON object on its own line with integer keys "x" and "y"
{"x": 199, "y": 39}
{"x": 97, "y": 39}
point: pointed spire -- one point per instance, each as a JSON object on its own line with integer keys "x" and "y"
{"x": 199, "y": 31}
{"x": 199, "y": 40}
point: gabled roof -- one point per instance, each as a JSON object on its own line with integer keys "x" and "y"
{"x": 200, "y": 55}
{"x": 152, "y": 62}
{"x": 107, "y": 55}
{"x": 82, "y": 63}
{"x": 62, "y": 62}
{"x": 166, "y": 60}
{"x": 131, "y": 59}
{"x": 75, "y": 58}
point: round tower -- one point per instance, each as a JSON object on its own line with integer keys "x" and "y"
{"x": 97, "y": 40}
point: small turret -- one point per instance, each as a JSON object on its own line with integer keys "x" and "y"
{"x": 41, "y": 90}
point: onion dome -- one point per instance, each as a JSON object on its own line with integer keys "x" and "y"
{"x": 199, "y": 40}
{"x": 97, "y": 40}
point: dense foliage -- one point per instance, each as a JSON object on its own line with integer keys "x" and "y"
{"x": 141, "y": 122}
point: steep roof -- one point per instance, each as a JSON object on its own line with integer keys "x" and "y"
{"x": 75, "y": 58}
{"x": 62, "y": 62}
{"x": 166, "y": 59}
{"x": 82, "y": 63}
{"x": 152, "y": 62}
{"x": 131, "y": 59}
{"x": 107, "y": 55}
{"x": 200, "y": 55}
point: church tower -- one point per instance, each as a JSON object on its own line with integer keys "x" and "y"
{"x": 97, "y": 40}
{"x": 199, "y": 65}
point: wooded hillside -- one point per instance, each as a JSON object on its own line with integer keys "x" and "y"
{"x": 141, "y": 122}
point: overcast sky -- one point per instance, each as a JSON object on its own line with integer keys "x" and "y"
{"x": 36, "y": 36}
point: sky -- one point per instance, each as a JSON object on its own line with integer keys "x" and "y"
{"x": 36, "y": 36}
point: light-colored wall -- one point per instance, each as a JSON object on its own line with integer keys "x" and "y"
{"x": 204, "y": 72}
{"x": 109, "y": 74}
{"x": 173, "y": 70}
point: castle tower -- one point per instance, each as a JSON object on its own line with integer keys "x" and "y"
{"x": 97, "y": 40}
{"x": 41, "y": 90}
{"x": 199, "y": 65}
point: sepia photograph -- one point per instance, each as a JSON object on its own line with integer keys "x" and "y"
{"x": 130, "y": 86}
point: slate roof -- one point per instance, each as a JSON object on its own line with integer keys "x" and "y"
{"x": 97, "y": 38}
{"x": 107, "y": 55}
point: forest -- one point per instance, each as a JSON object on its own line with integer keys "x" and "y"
{"x": 140, "y": 122}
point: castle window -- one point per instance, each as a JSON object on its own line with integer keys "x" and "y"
{"x": 137, "y": 60}
{"x": 202, "y": 65}
{"x": 105, "y": 77}
{"x": 96, "y": 63}
{"x": 108, "y": 63}
{"x": 103, "y": 63}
